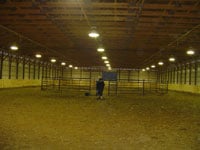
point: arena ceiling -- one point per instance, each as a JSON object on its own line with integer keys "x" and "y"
{"x": 134, "y": 33}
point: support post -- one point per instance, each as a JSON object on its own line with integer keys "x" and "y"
{"x": 119, "y": 74}
{"x": 143, "y": 87}
{"x": 62, "y": 72}
{"x": 9, "y": 66}
{"x": 108, "y": 88}
{"x": 23, "y": 67}
{"x": 195, "y": 73}
{"x": 17, "y": 67}
{"x": 34, "y": 64}
{"x": 177, "y": 75}
{"x": 71, "y": 73}
{"x": 167, "y": 86}
{"x": 59, "y": 84}
{"x": 190, "y": 73}
{"x": 29, "y": 68}
{"x": 181, "y": 75}
{"x": 174, "y": 77}
{"x": 1, "y": 63}
{"x": 171, "y": 72}
{"x": 46, "y": 70}
{"x": 185, "y": 79}
{"x": 50, "y": 71}
{"x": 90, "y": 79}
{"x": 38, "y": 70}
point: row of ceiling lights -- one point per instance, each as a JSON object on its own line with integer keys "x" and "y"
{"x": 95, "y": 34}
{"x": 53, "y": 60}
{"x": 189, "y": 52}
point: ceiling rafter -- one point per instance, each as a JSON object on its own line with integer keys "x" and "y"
{"x": 135, "y": 31}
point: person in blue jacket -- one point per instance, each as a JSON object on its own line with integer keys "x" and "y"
{"x": 99, "y": 87}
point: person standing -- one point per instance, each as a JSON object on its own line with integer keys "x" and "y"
{"x": 100, "y": 87}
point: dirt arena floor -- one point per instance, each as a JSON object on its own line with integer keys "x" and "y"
{"x": 31, "y": 119}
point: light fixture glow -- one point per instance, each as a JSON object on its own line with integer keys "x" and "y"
{"x": 153, "y": 66}
{"x": 190, "y": 52}
{"x": 147, "y": 68}
{"x": 70, "y": 66}
{"x": 53, "y": 60}
{"x": 38, "y": 55}
{"x": 63, "y": 63}
{"x": 93, "y": 34}
{"x": 76, "y": 68}
{"x": 172, "y": 59}
{"x": 100, "y": 49}
{"x": 106, "y": 62}
{"x": 14, "y": 48}
{"x": 143, "y": 70}
{"x": 104, "y": 57}
{"x": 109, "y": 68}
{"x": 108, "y": 65}
{"x": 160, "y": 63}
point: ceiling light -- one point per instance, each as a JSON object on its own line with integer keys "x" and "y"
{"x": 93, "y": 33}
{"x": 190, "y": 52}
{"x": 104, "y": 57}
{"x": 53, "y": 60}
{"x": 160, "y": 63}
{"x": 14, "y": 48}
{"x": 153, "y": 66}
{"x": 147, "y": 68}
{"x": 106, "y": 62}
{"x": 108, "y": 65}
{"x": 38, "y": 55}
{"x": 172, "y": 59}
{"x": 100, "y": 49}
{"x": 70, "y": 66}
{"x": 63, "y": 63}
{"x": 143, "y": 70}
{"x": 109, "y": 68}
{"x": 76, "y": 68}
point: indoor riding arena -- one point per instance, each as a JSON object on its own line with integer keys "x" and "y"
{"x": 99, "y": 75}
